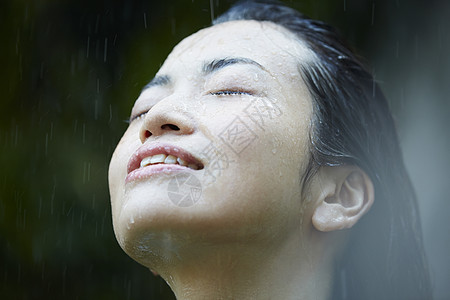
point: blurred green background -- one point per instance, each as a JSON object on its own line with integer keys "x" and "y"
{"x": 70, "y": 72}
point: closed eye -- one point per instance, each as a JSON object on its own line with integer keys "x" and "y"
{"x": 136, "y": 117}
{"x": 228, "y": 93}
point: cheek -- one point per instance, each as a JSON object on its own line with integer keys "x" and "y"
{"x": 118, "y": 167}
{"x": 259, "y": 190}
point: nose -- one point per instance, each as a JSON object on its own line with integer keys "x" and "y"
{"x": 164, "y": 119}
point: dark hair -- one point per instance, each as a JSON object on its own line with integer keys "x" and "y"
{"x": 353, "y": 125}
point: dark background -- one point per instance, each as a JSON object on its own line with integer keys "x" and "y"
{"x": 70, "y": 72}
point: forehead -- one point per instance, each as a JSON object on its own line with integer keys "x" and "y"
{"x": 267, "y": 43}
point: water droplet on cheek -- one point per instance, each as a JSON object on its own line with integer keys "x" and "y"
{"x": 130, "y": 221}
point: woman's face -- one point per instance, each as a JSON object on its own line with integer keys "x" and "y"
{"x": 230, "y": 102}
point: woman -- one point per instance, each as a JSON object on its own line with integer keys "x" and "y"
{"x": 257, "y": 142}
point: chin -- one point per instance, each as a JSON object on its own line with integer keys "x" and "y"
{"x": 150, "y": 248}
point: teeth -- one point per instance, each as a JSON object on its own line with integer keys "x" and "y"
{"x": 158, "y": 158}
{"x": 146, "y": 161}
{"x": 170, "y": 159}
{"x": 167, "y": 159}
{"x": 181, "y": 162}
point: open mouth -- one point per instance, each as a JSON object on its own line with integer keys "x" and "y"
{"x": 162, "y": 154}
{"x": 168, "y": 159}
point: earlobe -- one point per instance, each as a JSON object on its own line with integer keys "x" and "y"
{"x": 347, "y": 194}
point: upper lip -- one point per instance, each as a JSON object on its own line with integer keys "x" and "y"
{"x": 160, "y": 148}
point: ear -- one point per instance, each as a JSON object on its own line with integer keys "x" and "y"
{"x": 346, "y": 194}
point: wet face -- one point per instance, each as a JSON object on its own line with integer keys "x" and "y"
{"x": 217, "y": 144}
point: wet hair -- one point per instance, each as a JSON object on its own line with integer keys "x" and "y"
{"x": 352, "y": 124}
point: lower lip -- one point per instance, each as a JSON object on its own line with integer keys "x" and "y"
{"x": 148, "y": 171}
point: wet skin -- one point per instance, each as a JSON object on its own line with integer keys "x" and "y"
{"x": 204, "y": 89}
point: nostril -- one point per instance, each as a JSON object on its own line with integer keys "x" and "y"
{"x": 170, "y": 126}
{"x": 147, "y": 134}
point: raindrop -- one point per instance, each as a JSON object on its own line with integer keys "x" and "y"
{"x": 88, "y": 171}
{"x": 211, "y": 5}
{"x": 84, "y": 172}
{"x": 52, "y": 199}
{"x": 373, "y": 87}
{"x": 84, "y": 133}
{"x": 96, "y": 109}
{"x": 103, "y": 221}
{"x": 344, "y": 284}
{"x": 97, "y": 47}
{"x": 274, "y": 150}
{"x": 145, "y": 20}
{"x": 106, "y": 50}
{"x": 75, "y": 125}
{"x": 46, "y": 144}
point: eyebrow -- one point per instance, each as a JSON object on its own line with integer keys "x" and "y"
{"x": 208, "y": 68}
{"x": 218, "y": 64}
{"x": 158, "y": 81}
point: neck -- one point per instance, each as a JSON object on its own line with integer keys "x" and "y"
{"x": 282, "y": 270}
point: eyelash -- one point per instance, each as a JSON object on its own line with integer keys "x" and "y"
{"x": 137, "y": 117}
{"x": 219, "y": 93}
{"x": 229, "y": 93}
